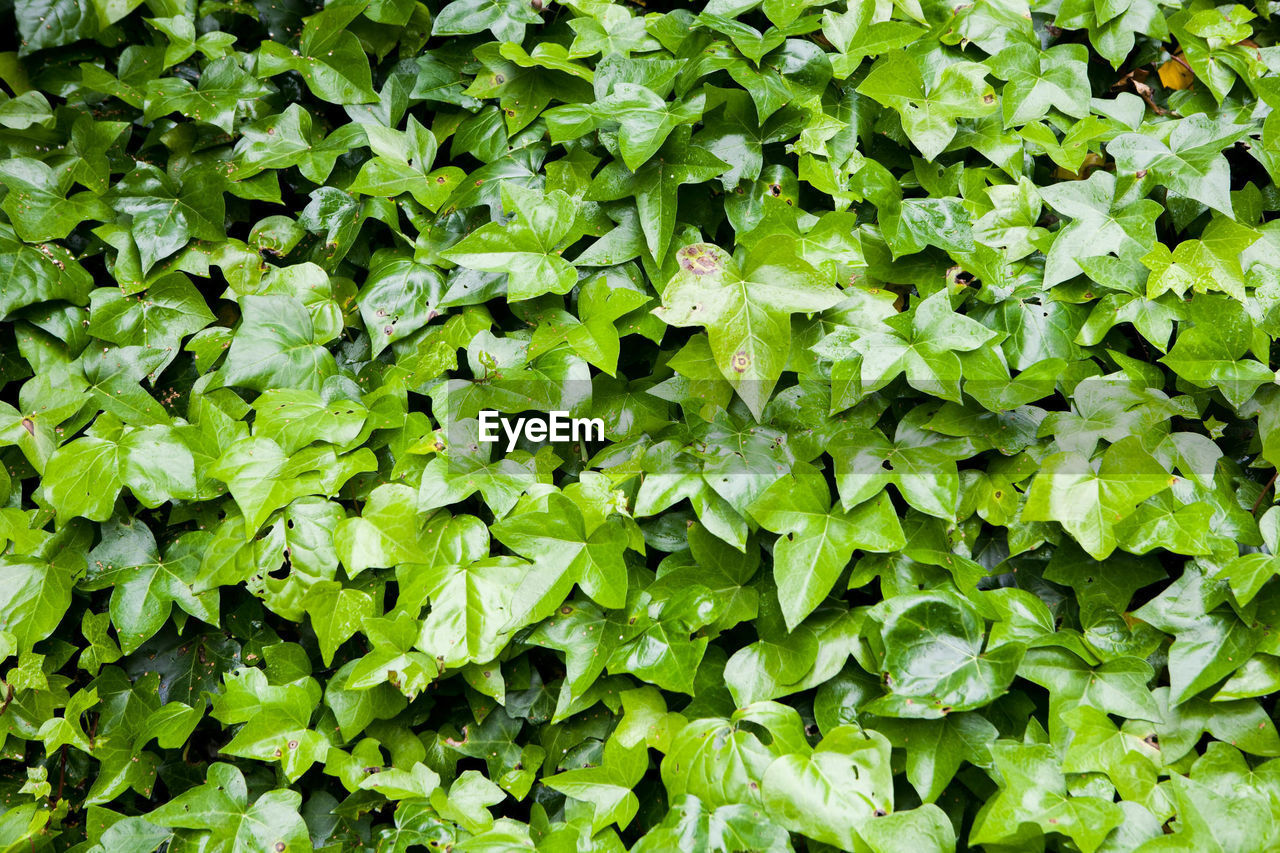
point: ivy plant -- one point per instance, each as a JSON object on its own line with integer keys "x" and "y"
{"x": 927, "y": 499}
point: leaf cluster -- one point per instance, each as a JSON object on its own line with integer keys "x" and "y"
{"x": 933, "y": 349}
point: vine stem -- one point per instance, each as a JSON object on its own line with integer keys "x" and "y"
{"x": 1265, "y": 489}
{"x": 62, "y": 771}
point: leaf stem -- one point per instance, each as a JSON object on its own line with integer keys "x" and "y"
{"x": 1265, "y": 489}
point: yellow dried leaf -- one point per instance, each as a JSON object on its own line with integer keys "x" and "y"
{"x": 1175, "y": 74}
{"x": 1091, "y": 162}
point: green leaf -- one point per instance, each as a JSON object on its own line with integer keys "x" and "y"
{"x": 1117, "y": 686}
{"x": 691, "y": 826}
{"x": 663, "y": 648}
{"x": 329, "y": 57}
{"x": 1034, "y": 790}
{"x": 84, "y": 478}
{"x": 925, "y": 351}
{"x": 929, "y": 106}
{"x": 1088, "y": 497}
{"x": 399, "y": 297}
{"x": 277, "y": 346}
{"x": 564, "y": 553}
{"x": 826, "y": 795}
{"x": 389, "y": 532}
{"x": 645, "y": 119}
{"x": 1185, "y": 155}
{"x": 936, "y": 657}
{"x": 263, "y": 479}
{"x": 1210, "y": 642}
{"x": 1210, "y": 263}
{"x": 1039, "y": 81}
{"x": 926, "y": 476}
{"x": 656, "y": 186}
{"x": 607, "y": 787}
{"x": 937, "y": 748}
{"x": 337, "y": 612}
{"x": 525, "y": 248}
{"x": 506, "y": 19}
{"x": 35, "y": 595}
{"x": 157, "y": 318}
{"x": 1211, "y": 353}
{"x": 215, "y": 100}
{"x": 221, "y": 808}
{"x": 471, "y": 610}
{"x": 817, "y": 543}
{"x": 144, "y": 586}
{"x": 165, "y": 214}
{"x": 718, "y": 762}
{"x": 37, "y": 202}
{"x": 287, "y": 139}
{"x": 39, "y": 274}
{"x": 856, "y": 35}
{"x": 53, "y": 23}
{"x": 1099, "y": 227}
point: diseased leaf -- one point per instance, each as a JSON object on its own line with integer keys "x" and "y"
{"x": 745, "y": 309}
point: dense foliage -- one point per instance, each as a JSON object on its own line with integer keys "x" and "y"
{"x": 933, "y": 348}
